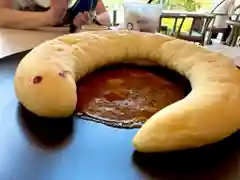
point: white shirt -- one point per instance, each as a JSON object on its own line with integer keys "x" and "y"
{"x": 30, "y": 4}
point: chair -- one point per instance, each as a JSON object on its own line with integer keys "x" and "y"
{"x": 235, "y": 23}
{"x": 176, "y": 26}
{"x": 212, "y": 29}
{"x": 198, "y": 29}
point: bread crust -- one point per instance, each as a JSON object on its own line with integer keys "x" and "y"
{"x": 207, "y": 115}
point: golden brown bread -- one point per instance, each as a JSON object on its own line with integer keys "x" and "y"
{"x": 207, "y": 115}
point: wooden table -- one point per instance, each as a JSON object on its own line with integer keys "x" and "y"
{"x": 184, "y": 14}
{"x": 13, "y": 41}
{"x": 173, "y": 14}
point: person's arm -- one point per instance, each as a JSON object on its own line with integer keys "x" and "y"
{"x": 102, "y": 14}
{"x": 11, "y": 18}
{"x": 23, "y": 20}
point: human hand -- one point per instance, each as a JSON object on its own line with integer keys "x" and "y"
{"x": 57, "y": 11}
{"x": 81, "y": 19}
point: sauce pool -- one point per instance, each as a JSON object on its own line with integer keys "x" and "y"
{"x": 126, "y": 94}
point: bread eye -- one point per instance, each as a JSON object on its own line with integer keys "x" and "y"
{"x": 62, "y": 74}
{"x": 37, "y": 79}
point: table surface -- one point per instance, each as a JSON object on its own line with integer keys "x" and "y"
{"x": 33, "y": 148}
{"x": 175, "y": 13}
{"x": 13, "y": 41}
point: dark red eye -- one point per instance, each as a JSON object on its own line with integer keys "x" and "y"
{"x": 37, "y": 79}
{"x": 63, "y": 73}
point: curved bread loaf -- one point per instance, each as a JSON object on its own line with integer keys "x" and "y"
{"x": 45, "y": 83}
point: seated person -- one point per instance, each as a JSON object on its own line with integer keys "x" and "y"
{"x": 23, "y": 14}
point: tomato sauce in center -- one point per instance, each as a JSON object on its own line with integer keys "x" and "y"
{"x": 127, "y": 94}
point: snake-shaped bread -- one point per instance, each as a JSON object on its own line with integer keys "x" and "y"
{"x": 45, "y": 83}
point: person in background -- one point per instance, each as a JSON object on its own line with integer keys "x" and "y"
{"x": 24, "y": 14}
{"x": 226, "y": 7}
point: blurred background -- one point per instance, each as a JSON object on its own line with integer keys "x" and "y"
{"x": 184, "y": 5}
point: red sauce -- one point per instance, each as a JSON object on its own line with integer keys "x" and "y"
{"x": 126, "y": 93}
